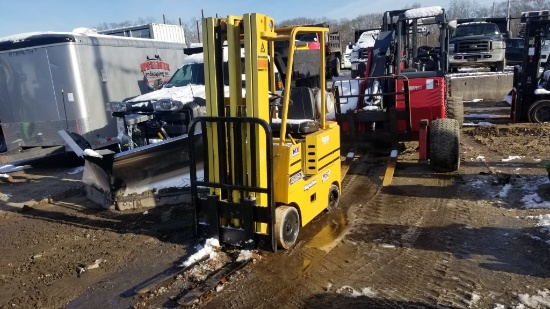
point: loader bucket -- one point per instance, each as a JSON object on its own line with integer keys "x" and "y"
{"x": 146, "y": 176}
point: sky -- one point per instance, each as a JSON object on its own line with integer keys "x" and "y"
{"x": 64, "y": 15}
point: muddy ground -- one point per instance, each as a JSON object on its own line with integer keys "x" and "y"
{"x": 457, "y": 240}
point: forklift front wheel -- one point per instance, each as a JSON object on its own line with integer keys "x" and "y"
{"x": 539, "y": 112}
{"x": 287, "y": 226}
{"x": 333, "y": 197}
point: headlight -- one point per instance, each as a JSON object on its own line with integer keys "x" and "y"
{"x": 546, "y": 48}
{"x": 498, "y": 44}
{"x": 452, "y": 47}
{"x": 167, "y": 105}
{"x": 116, "y": 106}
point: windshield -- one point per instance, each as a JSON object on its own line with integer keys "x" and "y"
{"x": 476, "y": 29}
{"x": 188, "y": 74}
{"x": 515, "y": 43}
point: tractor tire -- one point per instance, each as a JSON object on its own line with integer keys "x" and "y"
{"x": 501, "y": 65}
{"x": 454, "y": 109}
{"x": 539, "y": 112}
{"x": 445, "y": 145}
{"x": 287, "y": 226}
{"x": 333, "y": 197}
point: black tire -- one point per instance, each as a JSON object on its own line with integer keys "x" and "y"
{"x": 336, "y": 68}
{"x": 454, "y": 69}
{"x": 3, "y": 146}
{"x": 333, "y": 197}
{"x": 354, "y": 74}
{"x": 454, "y": 109}
{"x": 501, "y": 65}
{"x": 445, "y": 145}
{"x": 287, "y": 226}
{"x": 539, "y": 112}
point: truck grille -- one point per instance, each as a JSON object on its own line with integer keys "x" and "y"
{"x": 473, "y": 46}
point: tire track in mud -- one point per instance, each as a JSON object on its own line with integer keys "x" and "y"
{"x": 405, "y": 250}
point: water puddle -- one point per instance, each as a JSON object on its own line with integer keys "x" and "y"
{"x": 333, "y": 228}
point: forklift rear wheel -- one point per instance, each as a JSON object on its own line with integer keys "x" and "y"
{"x": 539, "y": 112}
{"x": 333, "y": 197}
{"x": 445, "y": 145}
{"x": 287, "y": 226}
{"x": 455, "y": 109}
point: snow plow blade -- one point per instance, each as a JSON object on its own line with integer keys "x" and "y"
{"x": 147, "y": 176}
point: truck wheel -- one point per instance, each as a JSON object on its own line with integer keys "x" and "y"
{"x": 539, "y": 112}
{"x": 454, "y": 109}
{"x": 336, "y": 69}
{"x": 501, "y": 65}
{"x": 445, "y": 145}
{"x": 333, "y": 197}
{"x": 287, "y": 226}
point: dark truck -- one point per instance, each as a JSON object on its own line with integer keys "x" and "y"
{"x": 479, "y": 43}
{"x": 333, "y": 48}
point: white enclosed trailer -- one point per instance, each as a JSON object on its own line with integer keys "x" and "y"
{"x": 52, "y": 80}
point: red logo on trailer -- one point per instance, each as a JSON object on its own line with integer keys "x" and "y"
{"x": 154, "y": 69}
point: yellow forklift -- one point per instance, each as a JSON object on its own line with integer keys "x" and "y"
{"x": 271, "y": 160}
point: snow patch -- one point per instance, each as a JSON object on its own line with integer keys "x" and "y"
{"x": 8, "y": 168}
{"x": 505, "y": 190}
{"x": 210, "y": 251}
{"x": 350, "y": 292}
{"x": 541, "y": 300}
{"x": 543, "y": 222}
{"x": 481, "y": 123}
{"x": 366, "y": 39}
{"x": 474, "y": 100}
{"x": 245, "y": 255}
{"x": 531, "y": 199}
{"x": 541, "y": 91}
{"x": 92, "y": 153}
{"x": 183, "y": 94}
{"x": 510, "y": 158}
{"x": 424, "y": 12}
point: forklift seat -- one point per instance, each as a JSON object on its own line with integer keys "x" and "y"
{"x": 301, "y": 117}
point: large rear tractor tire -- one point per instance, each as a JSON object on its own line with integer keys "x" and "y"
{"x": 445, "y": 145}
{"x": 539, "y": 112}
{"x": 454, "y": 109}
{"x": 333, "y": 197}
{"x": 287, "y": 226}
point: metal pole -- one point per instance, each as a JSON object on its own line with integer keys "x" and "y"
{"x": 508, "y": 11}
{"x": 493, "y": 8}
